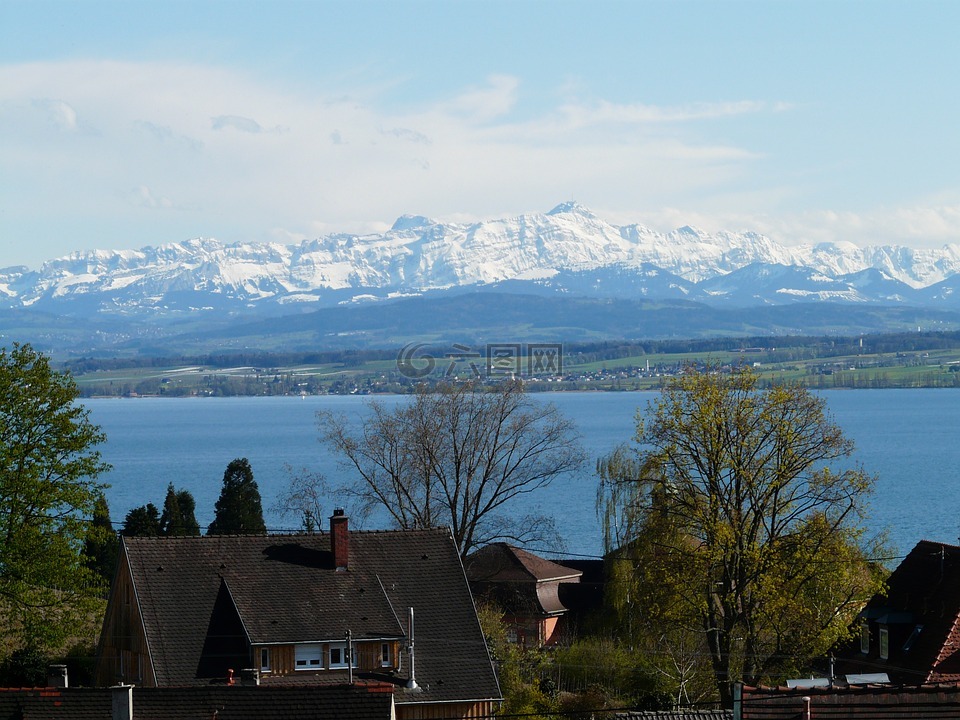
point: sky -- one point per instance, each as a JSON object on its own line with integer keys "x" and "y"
{"x": 140, "y": 123}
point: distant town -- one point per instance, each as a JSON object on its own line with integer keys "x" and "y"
{"x": 900, "y": 360}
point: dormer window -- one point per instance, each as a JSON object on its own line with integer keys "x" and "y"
{"x": 385, "y": 659}
{"x": 865, "y": 637}
{"x": 338, "y": 656}
{"x": 264, "y": 659}
{"x": 309, "y": 657}
{"x": 884, "y": 643}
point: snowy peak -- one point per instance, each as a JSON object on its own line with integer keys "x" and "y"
{"x": 571, "y": 207}
{"x": 410, "y": 222}
{"x": 569, "y": 247}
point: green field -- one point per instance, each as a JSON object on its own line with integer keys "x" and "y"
{"x": 814, "y": 363}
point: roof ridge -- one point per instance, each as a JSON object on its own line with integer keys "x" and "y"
{"x": 440, "y": 530}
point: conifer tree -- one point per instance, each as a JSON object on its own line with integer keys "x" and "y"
{"x": 143, "y": 521}
{"x": 239, "y": 510}
{"x": 179, "y": 514}
{"x": 101, "y": 547}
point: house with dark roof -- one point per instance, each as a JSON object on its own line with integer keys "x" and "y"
{"x": 305, "y": 610}
{"x": 911, "y": 633}
{"x": 189, "y": 703}
{"x": 900, "y": 702}
{"x": 526, "y": 587}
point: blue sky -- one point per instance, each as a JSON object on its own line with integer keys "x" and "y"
{"x": 126, "y": 124}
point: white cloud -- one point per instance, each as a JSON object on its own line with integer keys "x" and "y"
{"x": 604, "y": 112}
{"x": 242, "y": 159}
{"x": 483, "y": 104}
{"x": 916, "y": 226}
{"x": 58, "y": 113}
{"x": 238, "y": 123}
{"x": 145, "y": 197}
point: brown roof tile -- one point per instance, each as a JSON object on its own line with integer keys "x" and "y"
{"x": 888, "y": 702}
{"x": 500, "y": 562}
{"x": 284, "y": 588}
{"x": 922, "y": 592}
{"x": 223, "y": 703}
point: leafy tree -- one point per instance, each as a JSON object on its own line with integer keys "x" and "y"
{"x": 26, "y": 667}
{"x": 457, "y": 455}
{"x": 143, "y": 521}
{"x": 729, "y": 520}
{"x": 518, "y": 672}
{"x": 48, "y": 488}
{"x": 101, "y": 547}
{"x": 238, "y": 509}
{"x": 179, "y": 513}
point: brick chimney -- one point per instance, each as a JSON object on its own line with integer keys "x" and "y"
{"x": 339, "y": 540}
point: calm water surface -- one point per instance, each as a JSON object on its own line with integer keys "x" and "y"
{"x": 909, "y": 438}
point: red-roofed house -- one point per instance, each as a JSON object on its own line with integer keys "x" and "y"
{"x": 912, "y": 632}
{"x": 525, "y": 587}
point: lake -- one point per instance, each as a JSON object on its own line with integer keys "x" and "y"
{"x": 909, "y": 438}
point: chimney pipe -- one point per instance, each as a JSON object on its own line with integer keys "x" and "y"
{"x": 121, "y": 702}
{"x": 249, "y": 676}
{"x": 339, "y": 540}
{"x": 412, "y": 682}
{"x": 57, "y": 676}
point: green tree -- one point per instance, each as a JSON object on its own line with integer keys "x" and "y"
{"x": 238, "y": 509}
{"x": 458, "y": 455}
{"x": 518, "y": 672}
{"x": 143, "y": 521}
{"x": 101, "y": 546}
{"x": 48, "y": 488}
{"x": 179, "y": 514}
{"x": 730, "y": 520}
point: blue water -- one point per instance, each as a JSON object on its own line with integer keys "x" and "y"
{"x": 909, "y": 438}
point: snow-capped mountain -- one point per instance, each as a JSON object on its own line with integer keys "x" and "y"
{"x": 568, "y": 249}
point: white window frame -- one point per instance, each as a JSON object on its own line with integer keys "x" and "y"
{"x": 884, "y": 643}
{"x": 308, "y": 657}
{"x": 265, "y": 659}
{"x": 386, "y": 654}
{"x": 341, "y": 649}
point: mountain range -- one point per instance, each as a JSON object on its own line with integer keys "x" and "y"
{"x": 202, "y": 286}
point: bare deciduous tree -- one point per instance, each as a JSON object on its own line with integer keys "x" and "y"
{"x": 457, "y": 455}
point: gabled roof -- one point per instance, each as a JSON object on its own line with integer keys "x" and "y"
{"x": 222, "y": 703}
{"x": 921, "y": 611}
{"x": 285, "y": 589}
{"x": 520, "y": 582}
{"x": 501, "y": 563}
